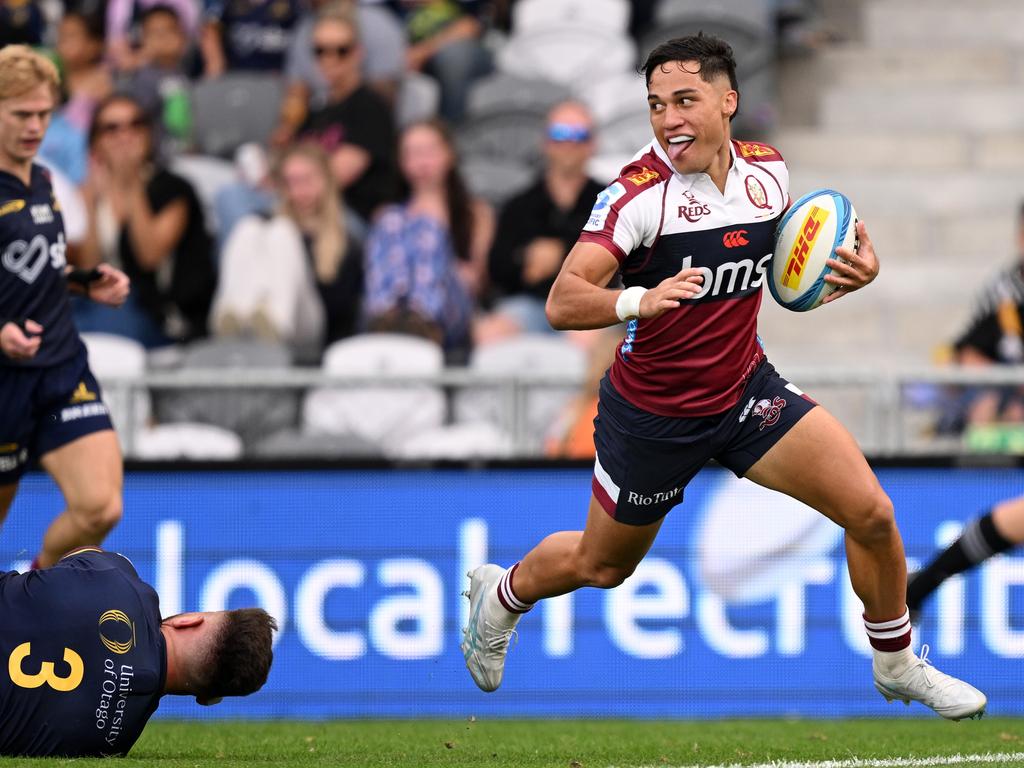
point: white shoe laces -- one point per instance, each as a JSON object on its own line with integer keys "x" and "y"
{"x": 934, "y": 678}
{"x": 497, "y": 643}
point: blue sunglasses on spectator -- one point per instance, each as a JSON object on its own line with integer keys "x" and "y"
{"x": 568, "y": 132}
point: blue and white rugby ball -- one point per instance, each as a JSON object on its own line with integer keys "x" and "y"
{"x": 807, "y": 236}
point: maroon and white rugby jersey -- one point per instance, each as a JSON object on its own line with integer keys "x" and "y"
{"x": 692, "y": 361}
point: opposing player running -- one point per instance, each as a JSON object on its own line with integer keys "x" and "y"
{"x": 85, "y": 656}
{"x": 690, "y": 225}
{"x": 50, "y": 403}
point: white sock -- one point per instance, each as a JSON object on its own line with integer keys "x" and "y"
{"x": 894, "y": 663}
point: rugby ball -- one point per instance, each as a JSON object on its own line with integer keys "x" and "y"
{"x": 807, "y": 236}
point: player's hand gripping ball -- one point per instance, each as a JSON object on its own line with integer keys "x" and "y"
{"x": 806, "y": 238}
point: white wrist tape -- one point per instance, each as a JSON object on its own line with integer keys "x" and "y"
{"x": 628, "y": 303}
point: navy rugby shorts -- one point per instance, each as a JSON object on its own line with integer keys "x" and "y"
{"x": 644, "y": 461}
{"x": 42, "y": 409}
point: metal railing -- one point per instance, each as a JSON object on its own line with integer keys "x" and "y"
{"x": 872, "y": 404}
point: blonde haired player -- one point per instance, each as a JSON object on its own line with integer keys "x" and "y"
{"x": 690, "y": 225}
{"x": 51, "y": 407}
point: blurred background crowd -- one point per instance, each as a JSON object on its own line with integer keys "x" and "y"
{"x": 390, "y": 187}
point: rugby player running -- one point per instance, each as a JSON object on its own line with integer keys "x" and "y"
{"x": 690, "y": 381}
{"x": 51, "y": 408}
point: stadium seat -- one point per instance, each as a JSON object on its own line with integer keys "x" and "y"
{"x": 503, "y": 92}
{"x": 196, "y": 442}
{"x": 419, "y": 96}
{"x": 542, "y": 354}
{"x": 207, "y": 175}
{"x": 531, "y": 15}
{"x": 381, "y": 414}
{"x": 508, "y": 136}
{"x": 232, "y": 109}
{"x": 494, "y": 179}
{"x": 570, "y": 55}
{"x": 619, "y": 106}
{"x": 478, "y": 440}
{"x": 119, "y": 357}
{"x": 293, "y": 444}
{"x": 253, "y": 413}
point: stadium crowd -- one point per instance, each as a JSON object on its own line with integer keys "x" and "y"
{"x": 301, "y": 172}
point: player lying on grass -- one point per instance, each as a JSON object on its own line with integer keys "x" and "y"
{"x": 85, "y": 656}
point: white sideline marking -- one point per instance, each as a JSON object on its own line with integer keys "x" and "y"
{"x": 894, "y": 762}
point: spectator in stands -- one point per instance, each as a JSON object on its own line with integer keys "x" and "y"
{"x": 159, "y": 79}
{"x": 572, "y": 436}
{"x": 21, "y": 23}
{"x": 995, "y": 336}
{"x": 425, "y": 258}
{"x": 126, "y": 34}
{"x": 383, "y": 45}
{"x": 251, "y": 36}
{"x": 297, "y": 276}
{"x": 149, "y": 223}
{"x": 85, "y": 81}
{"x": 355, "y": 127}
{"x": 538, "y": 226}
{"x": 445, "y": 43}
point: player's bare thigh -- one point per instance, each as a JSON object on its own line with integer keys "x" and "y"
{"x": 819, "y": 463}
{"x": 89, "y": 470}
{"x": 608, "y": 545}
{"x": 7, "y": 494}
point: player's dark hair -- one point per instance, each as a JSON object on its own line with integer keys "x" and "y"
{"x": 240, "y": 657}
{"x": 713, "y": 54}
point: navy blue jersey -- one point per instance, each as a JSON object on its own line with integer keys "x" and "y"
{"x": 82, "y": 658}
{"x": 32, "y": 256}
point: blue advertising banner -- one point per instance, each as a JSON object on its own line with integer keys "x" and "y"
{"x": 743, "y": 606}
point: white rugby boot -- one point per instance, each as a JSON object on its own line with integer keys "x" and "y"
{"x": 485, "y": 641}
{"x": 952, "y": 698}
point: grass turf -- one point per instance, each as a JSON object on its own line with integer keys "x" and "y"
{"x": 562, "y": 744}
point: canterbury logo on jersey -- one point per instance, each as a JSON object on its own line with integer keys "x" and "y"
{"x": 28, "y": 259}
{"x": 736, "y": 238}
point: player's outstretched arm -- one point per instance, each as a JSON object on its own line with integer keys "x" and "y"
{"x": 859, "y": 268}
{"x": 579, "y": 300}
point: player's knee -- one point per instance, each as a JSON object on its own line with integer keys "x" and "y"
{"x": 607, "y": 575}
{"x": 98, "y": 514}
{"x": 875, "y": 521}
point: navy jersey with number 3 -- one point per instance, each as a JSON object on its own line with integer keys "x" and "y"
{"x": 82, "y": 659}
{"x": 32, "y": 260}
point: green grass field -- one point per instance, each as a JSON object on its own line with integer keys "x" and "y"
{"x": 898, "y": 742}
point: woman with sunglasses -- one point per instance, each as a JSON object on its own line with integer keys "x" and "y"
{"x": 149, "y": 222}
{"x": 355, "y": 126}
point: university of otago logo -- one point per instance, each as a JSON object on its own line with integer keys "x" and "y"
{"x": 117, "y": 632}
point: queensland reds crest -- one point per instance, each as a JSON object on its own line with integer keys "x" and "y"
{"x": 694, "y": 209}
{"x": 769, "y": 410}
{"x": 756, "y": 192}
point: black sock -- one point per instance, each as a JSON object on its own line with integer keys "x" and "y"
{"x": 979, "y": 541}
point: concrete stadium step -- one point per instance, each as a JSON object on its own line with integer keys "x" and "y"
{"x": 979, "y": 110}
{"x": 979, "y": 241}
{"x": 909, "y": 193}
{"x": 861, "y": 65}
{"x": 937, "y": 23}
{"x": 838, "y": 150}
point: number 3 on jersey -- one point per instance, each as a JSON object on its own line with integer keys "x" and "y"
{"x": 46, "y": 674}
